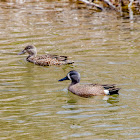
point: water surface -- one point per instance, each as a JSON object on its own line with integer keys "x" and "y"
{"x": 105, "y": 48}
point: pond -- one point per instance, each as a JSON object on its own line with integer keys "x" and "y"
{"x": 105, "y": 48}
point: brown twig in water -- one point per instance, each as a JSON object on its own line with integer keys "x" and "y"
{"x": 130, "y": 4}
{"x": 92, "y": 4}
{"x": 130, "y": 10}
{"x": 110, "y": 4}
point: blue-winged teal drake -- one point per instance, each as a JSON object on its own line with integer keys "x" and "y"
{"x": 44, "y": 60}
{"x": 89, "y": 89}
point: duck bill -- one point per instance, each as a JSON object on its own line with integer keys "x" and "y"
{"x": 65, "y": 78}
{"x": 22, "y": 52}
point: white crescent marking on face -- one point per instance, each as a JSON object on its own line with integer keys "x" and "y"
{"x": 69, "y": 76}
{"x": 79, "y": 75}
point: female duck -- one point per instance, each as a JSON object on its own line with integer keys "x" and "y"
{"x": 90, "y": 89}
{"x": 44, "y": 60}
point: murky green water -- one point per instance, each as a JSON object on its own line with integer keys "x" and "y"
{"x": 106, "y": 49}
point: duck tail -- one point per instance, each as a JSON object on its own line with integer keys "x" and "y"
{"x": 114, "y": 91}
{"x": 69, "y": 62}
{"x": 111, "y": 89}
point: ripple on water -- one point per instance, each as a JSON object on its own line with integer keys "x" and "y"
{"x": 76, "y": 135}
{"x": 13, "y": 98}
{"x": 41, "y": 114}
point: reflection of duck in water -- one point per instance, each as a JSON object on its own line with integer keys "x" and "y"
{"x": 44, "y": 60}
{"x": 90, "y": 89}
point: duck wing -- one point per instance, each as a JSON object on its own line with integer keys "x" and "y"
{"x": 57, "y": 57}
{"x": 110, "y": 87}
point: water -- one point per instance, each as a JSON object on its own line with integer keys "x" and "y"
{"x": 105, "y": 48}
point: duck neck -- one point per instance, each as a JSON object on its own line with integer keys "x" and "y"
{"x": 73, "y": 82}
{"x": 32, "y": 55}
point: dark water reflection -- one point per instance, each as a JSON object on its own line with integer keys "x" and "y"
{"x": 105, "y": 49}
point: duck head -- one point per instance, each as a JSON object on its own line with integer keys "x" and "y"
{"x": 73, "y": 75}
{"x": 31, "y": 50}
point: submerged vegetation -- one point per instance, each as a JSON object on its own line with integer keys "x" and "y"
{"x": 124, "y": 8}
{"x": 120, "y": 6}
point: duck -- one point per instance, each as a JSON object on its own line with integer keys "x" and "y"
{"x": 44, "y": 60}
{"x": 88, "y": 90}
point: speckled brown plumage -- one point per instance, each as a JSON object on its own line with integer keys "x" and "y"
{"x": 47, "y": 61}
{"x": 44, "y": 60}
{"x": 88, "y": 90}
